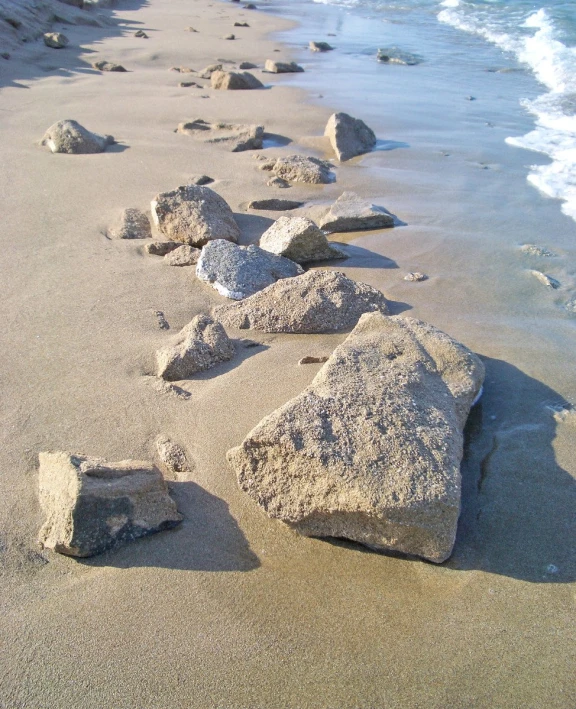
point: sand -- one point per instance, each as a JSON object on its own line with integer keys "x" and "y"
{"x": 233, "y": 610}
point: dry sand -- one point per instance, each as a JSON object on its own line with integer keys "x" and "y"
{"x": 233, "y": 609}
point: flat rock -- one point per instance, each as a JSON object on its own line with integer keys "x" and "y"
{"x": 55, "y": 40}
{"x": 371, "y": 450}
{"x": 352, "y": 213}
{"x": 68, "y": 136}
{"x": 545, "y": 279}
{"x": 320, "y": 46}
{"x": 194, "y": 215}
{"x": 240, "y": 271}
{"x": 107, "y": 66}
{"x": 299, "y": 168}
{"x": 317, "y": 301}
{"x": 241, "y": 24}
{"x": 247, "y": 65}
{"x": 300, "y": 240}
{"x": 189, "y": 84}
{"x": 207, "y": 72}
{"x": 200, "y": 345}
{"x": 282, "y": 67}
{"x": 274, "y": 204}
{"x": 184, "y": 255}
{"x": 235, "y": 137}
{"x": 349, "y": 136}
{"x": 133, "y": 224}
{"x": 234, "y": 80}
{"x": 200, "y": 180}
{"x": 91, "y": 505}
{"x": 161, "y": 248}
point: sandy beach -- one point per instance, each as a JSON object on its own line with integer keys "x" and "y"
{"x": 233, "y": 610}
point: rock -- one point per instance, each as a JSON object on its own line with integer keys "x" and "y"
{"x": 184, "y": 255}
{"x": 249, "y": 6}
{"x": 371, "y": 450}
{"x": 133, "y": 224}
{"x": 312, "y": 359}
{"x": 161, "y": 248}
{"x": 207, "y": 72}
{"x": 533, "y": 250}
{"x": 247, "y": 65}
{"x": 282, "y": 67}
{"x": 235, "y": 80}
{"x": 298, "y": 239}
{"x": 91, "y": 505}
{"x": 274, "y": 204}
{"x": 172, "y": 456}
{"x": 107, "y": 66}
{"x": 200, "y": 345}
{"x": 141, "y": 34}
{"x": 320, "y": 46}
{"x": 570, "y": 305}
{"x": 235, "y": 137}
{"x": 163, "y": 324}
{"x": 188, "y": 85}
{"x": 351, "y": 213}
{"x": 548, "y": 281}
{"x": 194, "y": 215}
{"x": 349, "y": 136}
{"x": 298, "y": 168}
{"x": 241, "y": 24}
{"x": 229, "y": 36}
{"x": 318, "y": 301}
{"x": 393, "y": 55}
{"x": 55, "y": 40}
{"x": 240, "y": 271}
{"x": 278, "y": 182}
{"x": 415, "y": 277}
{"x": 182, "y": 69}
{"x": 190, "y": 29}
{"x": 68, "y": 136}
{"x": 200, "y": 180}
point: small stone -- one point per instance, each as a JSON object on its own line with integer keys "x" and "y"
{"x": 570, "y": 306}
{"x": 161, "y": 248}
{"x": 68, "y": 136}
{"x": 300, "y": 240}
{"x": 298, "y": 168}
{"x": 247, "y": 65}
{"x": 190, "y": 29}
{"x": 189, "y": 84}
{"x": 133, "y": 224}
{"x": 172, "y": 456}
{"x": 311, "y": 359}
{"x": 349, "y": 136}
{"x": 235, "y": 137}
{"x": 320, "y": 46}
{"x": 234, "y": 80}
{"x": 55, "y": 40}
{"x": 241, "y": 24}
{"x": 108, "y": 66}
{"x": 282, "y": 67}
{"x": 141, "y": 34}
{"x": 393, "y": 55}
{"x": 278, "y": 182}
{"x": 207, "y": 72}
{"x": 533, "y": 250}
{"x": 184, "y": 255}
{"x": 274, "y": 204}
{"x": 200, "y": 180}
{"x": 182, "y": 69}
{"x": 163, "y": 324}
{"x": 548, "y": 281}
{"x": 249, "y": 6}
{"x": 415, "y": 276}
{"x": 352, "y": 213}
{"x": 229, "y": 36}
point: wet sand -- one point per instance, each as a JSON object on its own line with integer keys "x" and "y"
{"x": 233, "y": 609}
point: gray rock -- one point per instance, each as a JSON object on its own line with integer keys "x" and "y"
{"x": 241, "y": 24}
{"x": 393, "y": 55}
{"x": 161, "y": 248}
{"x": 234, "y": 80}
{"x": 298, "y": 168}
{"x": 184, "y": 70}
{"x": 318, "y": 301}
{"x": 282, "y": 67}
{"x": 141, "y": 34}
{"x": 207, "y": 72}
{"x": 534, "y": 250}
{"x": 351, "y": 213}
{"x": 133, "y": 224}
{"x": 247, "y": 65}
{"x": 415, "y": 277}
{"x": 200, "y": 180}
{"x": 235, "y": 137}
{"x": 320, "y": 46}
{"x": 200, "y": 345}
{"x": 240, "y": 271}
{"x": 300, "y": 240}
{"x": 349, "y": 136}
{"x": 229, "y": 36}
{"x": 278, "y": 182}
{"x": 188, "y": 85}
{"x": 190, "y": 29}
{"x": 91, "y": 505}
{"x": 184, "y": 255}
{"x": 546, "y": 280}
{"x": 371, "y": 450}
{"x": 194, "y": 215}
{"x": 55, "y": 40}
{"x": 108, "y": 66}
{"x": 68, "y": 136}
{"x": 172, "y": 456}
{"x": 274, "y": 204}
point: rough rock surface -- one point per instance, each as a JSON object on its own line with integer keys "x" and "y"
{"x": 207, "y": 72}
{"x": 172, "y": 456}
{"x": 200, "y": 345}
{"x": 234, "y": 80}
{"x": 161, "y": 248}
{"x": 55, "y": 40}
{"x": 415, "y": 277}
{"x": 320, "y": 46}
{"x": 91, "y": 505}
{"x": 194, "y": 215}
{"x": 278, "y": 182}
{"x": 200, "y": 180}
{"x": 352, "y": 213}
{"x": 371, "y": 450}
{"x": 236, "y": 137}
{"x": 282, "y": 67}
{"x": 184, "y": 255}
{"x": 107, "y": 66}
{"x": 298, "y": 239}
{"x": 299, "y": 168}
{"x": 349, "y": 136}
{"x": 141, "y": 34}
{"x": 68, "y": 136}
{"x": 318, "y": 301}
{"x": 274, "y": 204}
{"x": 238, "y": 272}
{"x": 133, "y": 224}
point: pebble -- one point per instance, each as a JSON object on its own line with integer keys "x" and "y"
{"x": 548, "y": 281}
{"x": 415, "y": 276}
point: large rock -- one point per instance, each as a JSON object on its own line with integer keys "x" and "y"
{"x": 234, "y": 80}
{"x": 68, "y": 136}
{"x": 352, "y": 213}
{"x": 91, "y": 505}
{"x": 240, "y": 271}
{"x": 300, "y": 240}
{"x": 282, "y": 67}
{"x": 318, "y": 301}
{"x": 200, "y": 345}
{"x": 235, "y": 137}
{"x": 371, "y": 450}
{"x": 299, "y": 168}
{"x": 133, "y": 224}
{"x": 349, "y": 136}
{"x": 194, "y": 215}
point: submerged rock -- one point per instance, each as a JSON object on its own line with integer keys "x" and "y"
{"x": 282, "y": 67}
{"x": 236, "y": 137}
{"x": 91, "y": 505}
{"x": 393, "y": 55}
{"x": 133, "y": 224}
{"x": 234, "y": 80}
{"x": 317, "y": 301}
{"x": 352, "y": 213}
{"x": 69, "y": 136}
{"x": 55, "y": 40}
{"x": 299, "y": 168}
{"x": 415, "y": 277}
{"x": 349, "y": 136}
{"x": 371, "y": 450}
{"x": 300, "y": 240}
{"x": 320, "y": 46}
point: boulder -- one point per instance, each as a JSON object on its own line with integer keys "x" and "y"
{"x": 161, "y": 248}
{"x": 352, "y": 213}
{"x": 68, "y": 136}
{"x": 234, "y": 80}
{"x": 299, "y": 168}
{"x": 320, "y": 46}
{"x": 133, "y": 224}
{"x": 200, "y": 345}
{"x": 274, "y": 204}
{"x": 371, "y": 450}
{"x": 194, "y": 215}
{"x": 107, "y": 66}
{"x": 184, "y": 255}
{"x": 55, "y": 40}
{"x": 282, "y": 67}
{"x": 318, "y": 301}
{"x": 349, "y": 136}
{"x": 235, "y": 137}
{"x": 240, "y": 271}
{"x": 91, "y": 505}
{"x": 298, "y": 239}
